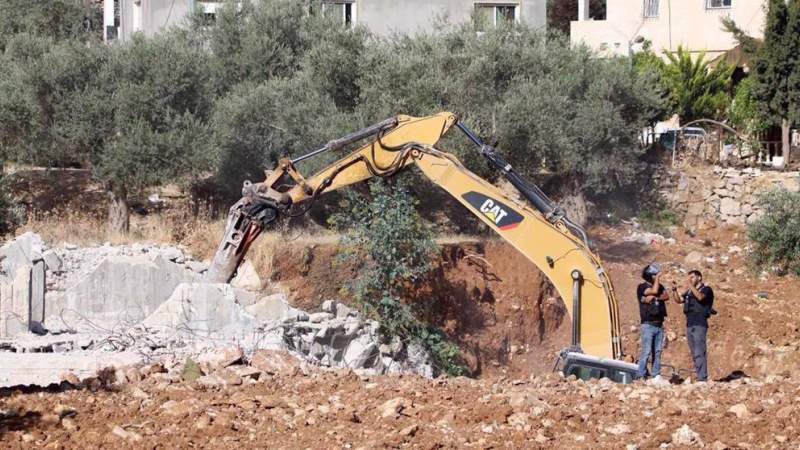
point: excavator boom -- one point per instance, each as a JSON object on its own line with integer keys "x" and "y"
{"x": 536, "y": 227}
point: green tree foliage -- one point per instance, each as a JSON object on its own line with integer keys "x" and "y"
{"x": 392, "y": 247}
{"x": 135, "y": 113}
{"x": 54, "y": 19}
{"x": 696, "y": 90}
{"x": 42, "y": 98}
{"x": 550, "y": 107}
{"x": 745, "y": 114}
{"x": 257, "y": 124}
{"x": 287, "y": 83}
{"x": 776, "y": 66}
{"x": 776, "y": 234}
{"x": 155, "y": 130}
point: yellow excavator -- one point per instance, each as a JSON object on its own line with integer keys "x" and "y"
{"x": 536, "y": 227}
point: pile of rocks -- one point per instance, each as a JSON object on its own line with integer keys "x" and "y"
{"x": 151, "y": 301}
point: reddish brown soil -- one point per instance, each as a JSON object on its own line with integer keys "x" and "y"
{"x": 341, "y": 410}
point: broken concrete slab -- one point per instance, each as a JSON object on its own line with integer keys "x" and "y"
{"x": 221, "y": 357}
{"x": 247, "y": 278}
{"x": 361, "y": 352}
{"x": 53, "y": 261}
{"x": 22, "y": 251}
{"x": 43, "y": 369}
{"x": 15, "y": 303}
{"x": 196, "y": 266}
{"x": 343, "y": 311}
{"x": 201, "y": 308}
{"x": 273, "y": 307}
{"x": 37, "y": 296}
{"x": 122, "y": 289}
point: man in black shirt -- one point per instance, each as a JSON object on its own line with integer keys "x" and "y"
{"x": 698, "y": 301}
{"x": 651, "y": 296}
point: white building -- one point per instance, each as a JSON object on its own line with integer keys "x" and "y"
{"x": 124, "y": 17}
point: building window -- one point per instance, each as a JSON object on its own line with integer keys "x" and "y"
{"x": 495, "y": 16}
{"x": 342, "y": 11}
{"x": 715, "y": 4}
{"x": 209, "y": 10}
{"x": 651, "y": 8}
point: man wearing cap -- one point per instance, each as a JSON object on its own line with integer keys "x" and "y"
{"x": 651, "y": 295}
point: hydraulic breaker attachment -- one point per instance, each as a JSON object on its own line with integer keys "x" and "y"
{"x": 246, "y": 220}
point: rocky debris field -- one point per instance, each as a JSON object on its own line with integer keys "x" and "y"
{"x": 275, "y": 402}
{"x": 104, "y": 307}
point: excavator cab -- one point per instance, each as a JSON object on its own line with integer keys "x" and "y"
{"x": 586, "y": 367}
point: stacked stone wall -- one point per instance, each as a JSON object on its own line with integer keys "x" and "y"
{"x": 727, "y": 195}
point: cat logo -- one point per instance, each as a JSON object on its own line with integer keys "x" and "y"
{"x": 501, "y": 215}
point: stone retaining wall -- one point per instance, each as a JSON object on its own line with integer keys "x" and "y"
{"x": 727, "y": 195}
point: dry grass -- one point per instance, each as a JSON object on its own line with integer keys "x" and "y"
{"x": 199, "y": 237}
{"x": 85, "y": 230}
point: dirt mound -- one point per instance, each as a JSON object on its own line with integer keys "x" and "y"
{"x": 488, "y": 297}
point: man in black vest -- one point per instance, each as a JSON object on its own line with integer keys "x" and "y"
{"x": 698, "y": 301}
{"x": 652, "y": 311}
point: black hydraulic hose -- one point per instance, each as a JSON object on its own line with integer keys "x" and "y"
{"x": 531, "y": 192}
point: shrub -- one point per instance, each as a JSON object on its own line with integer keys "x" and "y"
{"x": 392, "y": 247}
{"x": 659, "y": 218}
{"x": 776, "y": 234}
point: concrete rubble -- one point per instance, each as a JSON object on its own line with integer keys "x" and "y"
{"x": 120, "y": 306}
{"x": 22, "y": 285}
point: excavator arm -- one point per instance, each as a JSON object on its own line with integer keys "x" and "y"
{"x": 534, "y": 226}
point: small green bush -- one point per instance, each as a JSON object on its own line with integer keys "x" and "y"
{"x": 191, "y": 370}
{"x": 392, "y": 247}
{"x": 660, "y": 220}
{"x": 656, "y": 215}
{"x": 776, "y": 234}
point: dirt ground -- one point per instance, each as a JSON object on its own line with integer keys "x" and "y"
{"x": 502, "y": 312}
{"x": 341, "y": 410}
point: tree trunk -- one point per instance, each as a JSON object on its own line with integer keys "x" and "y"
{"x": 786, "y": 145}
{"x": 118, "y": 217}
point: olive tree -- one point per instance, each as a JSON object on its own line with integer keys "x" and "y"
{"x": 150, "y": 106}
{"x": 549, "y": 106}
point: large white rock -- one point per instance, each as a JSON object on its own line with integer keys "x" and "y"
{"x": 247, "y": 278}
{"x": 273, "y": 307}
{"x": 122, "y": 289}
{"x": 360, "y": 353}
{"x": 201, "y": 308}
